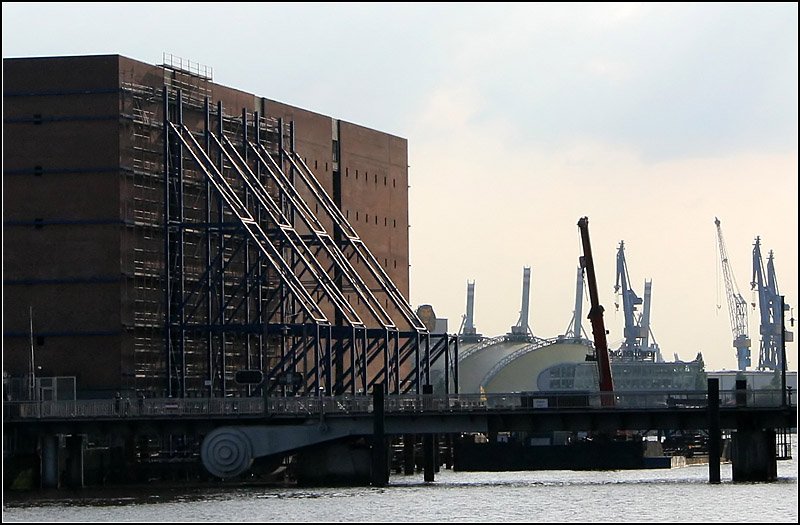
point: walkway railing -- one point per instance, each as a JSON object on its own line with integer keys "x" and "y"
{"x": 347, "y": 404}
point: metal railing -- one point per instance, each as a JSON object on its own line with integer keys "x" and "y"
{"x": 232, "y": 407}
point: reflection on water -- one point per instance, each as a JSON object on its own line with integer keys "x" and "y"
{"x": 679, "y": 494}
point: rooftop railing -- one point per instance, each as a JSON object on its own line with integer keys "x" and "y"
{"x": 408, "y": 403}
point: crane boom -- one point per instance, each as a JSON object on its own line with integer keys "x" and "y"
{"x": 737, "y": 306}
{"x": 596, "y": 314}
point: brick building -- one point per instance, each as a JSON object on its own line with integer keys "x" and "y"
{"x": 87, "y": 257}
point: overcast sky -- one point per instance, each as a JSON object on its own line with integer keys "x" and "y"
{"x": 650, "y": 119}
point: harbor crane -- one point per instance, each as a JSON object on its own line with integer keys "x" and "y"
{"x": 770, "y": 308}
{"x": 636, "y": 345}
{"x": 596, "y": 316}
{"x": 467, "y": 331}
{"x": 737, "y": 306}
{"x": 522, "y": 330}
{"x": 575, "y": 329}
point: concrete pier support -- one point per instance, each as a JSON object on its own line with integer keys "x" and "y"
{"x": 428, "y": 454}
{"x": 380, "y": 453}
{"x": 753, "y": 455}
{"x": 428, "y": 446}
{"x": 346, "y": 463}
{"x": 76, "y": 445}
{"x": 714, "y": 433}
{"x": 49, "y": 451}
{"x": 409, "y": 440}
{"x": 437, "y": 454}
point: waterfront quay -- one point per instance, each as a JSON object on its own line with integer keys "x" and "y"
{"x": 229, "y": 436}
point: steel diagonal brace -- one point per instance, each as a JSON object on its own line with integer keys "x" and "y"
{"x": 318, "y": 230}
{"x": 355, "y": 241}
{"x": 307, "y": 303}
{"x": 316, "y": 227}
{"x": 311, "y": 263}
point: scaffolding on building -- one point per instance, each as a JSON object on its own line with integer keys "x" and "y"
{"x": 241, "y": 263}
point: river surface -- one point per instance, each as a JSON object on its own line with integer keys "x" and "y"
{"x": 658, "y": 495}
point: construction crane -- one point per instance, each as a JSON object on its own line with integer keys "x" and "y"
{"x": 636, "y": 345}
{"x": 737, "y": 306}
{"x": 596, "y": 316}
{"x": 769, "y": 303}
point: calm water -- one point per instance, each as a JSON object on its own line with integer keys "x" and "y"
{"x": 674, "y": 495}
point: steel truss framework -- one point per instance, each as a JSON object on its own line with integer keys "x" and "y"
{"x": 254, "y": 280}
{"x": 769, "y": 303}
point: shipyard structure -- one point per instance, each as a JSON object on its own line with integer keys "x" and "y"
{"x": 520, "y": 361}
{"x": 168, "y": 236}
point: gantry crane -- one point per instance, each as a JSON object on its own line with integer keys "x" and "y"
{"x": 467, "y": 331}
{"x": 522, "y": 330}
{"x": 636, "y": 345}
{"x": 737, "y": 306}
{"x": 769, "y": 303}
